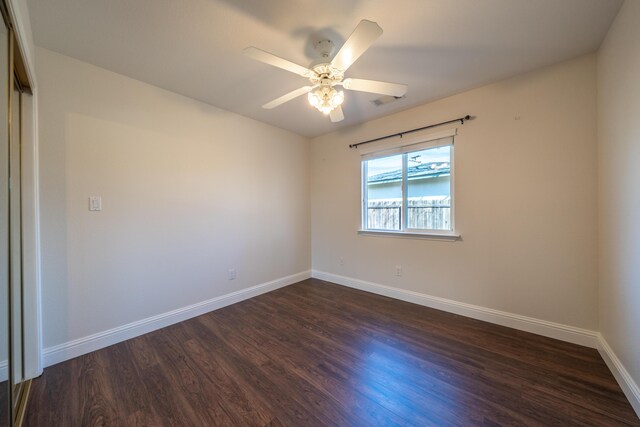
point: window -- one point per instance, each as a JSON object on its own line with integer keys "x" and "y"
{"x": 409, "y": 189}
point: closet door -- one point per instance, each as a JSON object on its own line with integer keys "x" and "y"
{"x": 5, "y": 404}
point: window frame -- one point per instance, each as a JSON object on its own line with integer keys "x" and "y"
{"x": 405, "y": 150}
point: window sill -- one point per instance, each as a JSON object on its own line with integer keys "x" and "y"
{"x": 411, "y": 235}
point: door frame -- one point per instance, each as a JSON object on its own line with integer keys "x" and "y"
{"x": 32, "y": 324}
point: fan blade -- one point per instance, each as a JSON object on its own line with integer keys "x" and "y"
{"x": 336, "y": 114}
{"x": 373, "y": 86}
{"x": 276, "y": 61}
{"x": 358, "y": 42}
{"x": 288, "y": 97}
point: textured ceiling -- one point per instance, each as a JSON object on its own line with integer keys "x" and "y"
{"x": 437, "y": 47}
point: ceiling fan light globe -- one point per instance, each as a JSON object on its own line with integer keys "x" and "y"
{"x": 337, "y": 98}
{"x": 314, "y": 99}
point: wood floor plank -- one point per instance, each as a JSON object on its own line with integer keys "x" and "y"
{"x": 128, "y": 382}
{"x": 403, "y": 380}
{"x": 300, "y": 358}
{"x": 353, "y": 361}
{"x": 95, "y": 397}
{"x": 196, "y": 397}
{"x": 302, "y": 392}
{"x": 251, "y": 372}
{"x": 319, "y": 354}
{"x": 215, "y": 385}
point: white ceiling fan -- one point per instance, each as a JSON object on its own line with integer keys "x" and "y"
{"x": 326, "y": 76}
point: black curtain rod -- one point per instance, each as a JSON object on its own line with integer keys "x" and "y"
{"x": 461, "y": 120}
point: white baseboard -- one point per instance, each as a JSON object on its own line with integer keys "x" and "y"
{"x": 559, "y": 331}
{"x": 78, "y": 347}
{"x": 628, "y": 385}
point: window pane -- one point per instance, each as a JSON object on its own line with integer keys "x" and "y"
{"x": 429, "y": 189}
{"x": 384, "y": 193}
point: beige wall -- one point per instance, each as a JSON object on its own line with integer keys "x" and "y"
{"x": 525, "y": 199}
{"x": 189, "y": 191}
{"x": 619, "y": 187}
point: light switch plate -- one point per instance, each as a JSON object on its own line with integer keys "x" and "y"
{"x": 95, "y": 203}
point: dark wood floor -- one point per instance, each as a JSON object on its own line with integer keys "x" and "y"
{"x": 4, "y": 404}
{"x": 316, "y": 353}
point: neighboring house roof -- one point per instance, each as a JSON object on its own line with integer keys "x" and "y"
{"x": 423, "y": 170}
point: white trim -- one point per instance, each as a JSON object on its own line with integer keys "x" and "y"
{"x": 391, "y": 144}
{"x": 452, "y": 188}
{"x": 545, "y": 328}
{"x": 417, "y": 137}
{"x": 410, "y": 234}
{"x": 408, "y": 147}
{"x": 404, "y": 231}
{"x": 19, "y": 13}
{"x": 21, "y": 29}
{"x": 32, "y": 339}
{"x": 78, "y": 347}
{"x": 626, "y": 382}
{"x": 4, "y": 372}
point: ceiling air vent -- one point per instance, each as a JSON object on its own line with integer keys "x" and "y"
{"x": 385, "y": 100}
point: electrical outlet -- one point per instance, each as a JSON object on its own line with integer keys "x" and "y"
{"x": 232, "y": 273}
{"x": 341, "y": 261}
{"x": 398, "y": 270}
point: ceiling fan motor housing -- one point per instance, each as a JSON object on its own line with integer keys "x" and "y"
{"x": 326, "y": 75}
